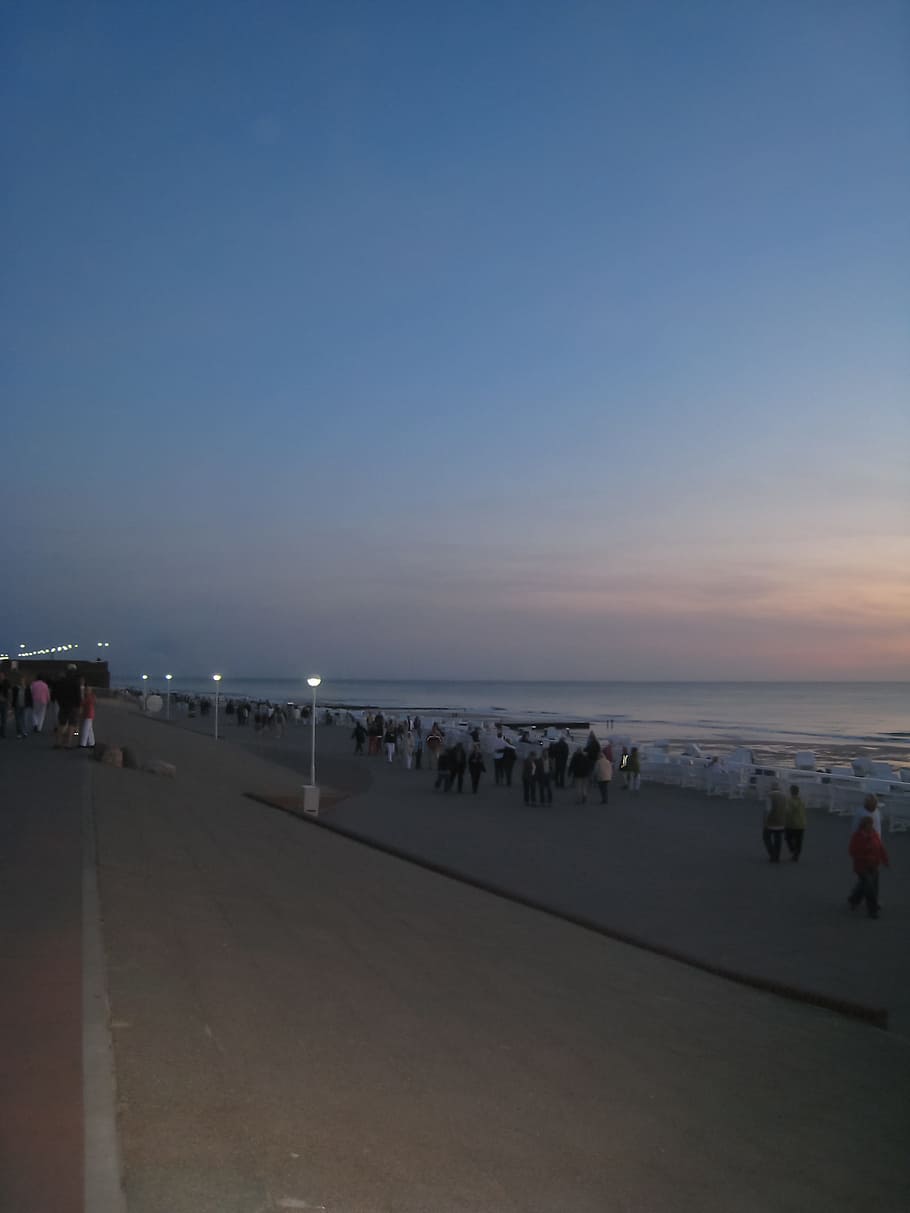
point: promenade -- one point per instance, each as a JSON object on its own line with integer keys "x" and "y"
{"x": 303, "y": 1022}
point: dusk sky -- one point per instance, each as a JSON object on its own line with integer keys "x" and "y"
{"x": 480, "y": 340}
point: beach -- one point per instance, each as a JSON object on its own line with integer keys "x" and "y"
{"x": 301, "y": 1017}
{"x": 834, "y": 720}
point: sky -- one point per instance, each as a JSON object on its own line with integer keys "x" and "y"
{"x": 477, "y": 340}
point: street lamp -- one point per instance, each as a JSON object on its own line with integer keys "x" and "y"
{"x": 145, "y": 692}
{"x": 311, "y": 792}
{"x": 167, "y": 702}
{"x": 216, "y": 678}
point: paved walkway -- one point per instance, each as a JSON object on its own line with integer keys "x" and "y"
{"x": 301, "y": 1022}
{"x": 41, "y": 1124}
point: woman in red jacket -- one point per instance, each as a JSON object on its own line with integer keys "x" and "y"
{"x": 868, "y": 855}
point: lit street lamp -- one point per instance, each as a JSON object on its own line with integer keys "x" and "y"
{"x": 145, "y": 692}
{"x": 217, "y": 680}
{"x": 167, "y": 702}
{"x": 311, "y": 792}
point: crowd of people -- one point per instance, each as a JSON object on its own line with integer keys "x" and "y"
{"x": 542, "y": 765}
{"x": 66, "y": 704}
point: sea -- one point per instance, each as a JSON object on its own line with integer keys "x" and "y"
{"x": 768, "y": 716}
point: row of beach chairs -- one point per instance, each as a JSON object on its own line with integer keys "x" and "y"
{"x": 839, "y": 790}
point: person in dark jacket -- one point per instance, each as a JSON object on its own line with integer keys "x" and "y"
{"x": 560, "y": 762}
{"x": 592, "y": 748}
{"x": 4, "y": 703}
{"x": 580, "y": 774}
{"x": 544, "y": 778}
{"x": 509, "y": 758}
{"x": 69, "y": 702}
{"x": 476, "y": 766}
{"x": 444, "y": 774}
{"x": 529, "y": 779}
{"x": 459, "y": 766}
{"x": 17, "y": 704}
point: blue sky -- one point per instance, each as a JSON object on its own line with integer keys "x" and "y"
{"x": 479, "y": 340}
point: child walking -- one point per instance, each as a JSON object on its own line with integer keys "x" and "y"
{"x": 868, "y": 855}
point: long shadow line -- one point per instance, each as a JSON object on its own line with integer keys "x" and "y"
{"x": 876, "y": 1016}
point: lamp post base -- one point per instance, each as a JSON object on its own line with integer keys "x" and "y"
{"x": 311, "y": 799}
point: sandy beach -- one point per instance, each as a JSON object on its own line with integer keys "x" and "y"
{"x": 300, "y": 1020}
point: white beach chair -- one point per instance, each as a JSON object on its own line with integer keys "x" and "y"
{"x": 897, "y": 811}
{"x": 654, "y": 766}
{"x": 694, "y": 774}
{"x": 845, "y": 794}
{"x": 882, "y": 770}
{"x": 732, "y": 783}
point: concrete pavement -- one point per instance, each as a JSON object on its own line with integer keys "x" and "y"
{"x": 301, "y": 1022}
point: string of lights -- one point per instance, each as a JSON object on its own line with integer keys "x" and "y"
{"x": 55, "y": 650}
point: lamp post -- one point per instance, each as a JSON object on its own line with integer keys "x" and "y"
{"x": 216, "y": 678}
{"x": 145, "y": 692}
{"x": 310, "y": 791}
{"x": 167, "y": 702}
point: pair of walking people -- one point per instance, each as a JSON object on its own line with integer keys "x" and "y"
{"x": 536, "y": 778}
{"x": 785, "y": 821}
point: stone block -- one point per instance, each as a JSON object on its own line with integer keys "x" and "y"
{"x": 156, "y": 766}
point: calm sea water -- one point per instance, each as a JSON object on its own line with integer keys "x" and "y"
{"x": 757, "y": 713}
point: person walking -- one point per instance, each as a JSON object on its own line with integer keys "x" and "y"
{"x": 603, "y": 773}
{"x": 795, "y": 828}
{"x": 418, "y": 748}
{"x": 624, "y": 767}
{"x": 4, "y": 703}
{"x": 633, "y": 769}
{"x": 544, "y": 777}
{"x": 868, "y": 855}
{"x": 388, "y": 739}
{"x": 407, "y": 749}
{"x": 17, "y": 705}
{"x": 476, "y": 766}
{"x": 67, "y": 696}
{"x": 560, "y": 762}
{"x": 499, "y": 749}
{"x": 509, "y": 758}
{"x": 358, "y": 736}
{"x": 869, "y": 809}
{"x": 41, "y": 697}
{"x": 775, "y": 822}
{"x": 434, "y": 746}
{"x": 459, "y": 765}
{"x": 580, "y": 774}
{"x": 528, "y": 779}
{"x": 87, "y": 729}
{"x": 444, "y": 776}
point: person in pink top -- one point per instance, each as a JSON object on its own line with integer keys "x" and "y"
{"x": 41, "y": 697}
